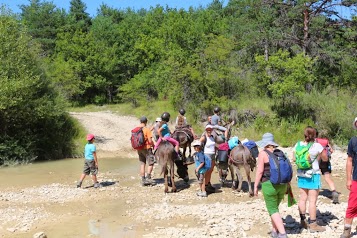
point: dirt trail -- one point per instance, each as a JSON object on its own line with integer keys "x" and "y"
{"x": 123, "y": 208}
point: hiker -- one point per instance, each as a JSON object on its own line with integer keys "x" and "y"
{"x": 217, "y": 123}
{"x": 273, "y": 194}
{"x": 200, "y": 170}
{"x": 208, "y": 140}
{"x": 181, "y": 123}
{"x": 155, "y": 128}
{"x": 90, "y": 162}
{"x": 309, "y": 177}
{"x": 351, "y": 183}
{"x": 145, "y": 154}
{"x": 325, "y": 167}
{"x": 165, "y": 134}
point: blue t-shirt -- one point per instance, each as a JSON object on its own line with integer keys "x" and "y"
{"x": 215, "y": 119}
{"x": 199, "y": 158}
{"x": 89, "y": 149}
{"x": 352, "y": 151}
{"x": 165, "y": 130}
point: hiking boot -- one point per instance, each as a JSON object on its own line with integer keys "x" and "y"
{"x": 201, "y": 194}
{"x": 346, "y": 232}
{"x": 303, "y": 224}
{"x": 335, "y": 197}
{"x": 149, "y": 179}
{"x": 98, "y": 185}
{"x": 314, "y": 227}
{"x": 79, "y": 184}
{"x": 145, "y": 182}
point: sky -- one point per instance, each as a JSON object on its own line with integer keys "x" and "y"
{"x": 93, "y": 5}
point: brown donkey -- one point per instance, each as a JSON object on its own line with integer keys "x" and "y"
{"x": 165, "y": 155}
{"x": 240, "y": 156}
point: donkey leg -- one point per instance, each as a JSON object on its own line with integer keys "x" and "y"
{"x": 166, "y": 185}
{"x": 240, "y": 180}
{"x": 172, "y": 176}
{"x": 247, "y": 171}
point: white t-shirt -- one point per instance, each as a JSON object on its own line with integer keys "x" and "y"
{"x": 210, "y": 146}
{"x": 314, "y": 152}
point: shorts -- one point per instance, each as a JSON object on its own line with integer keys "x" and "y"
{"x": 89, "y": 167}
{"x": 146, "y": 157}
{"x": 351, "y": 211}
{"x": 200, "y": 177}
{"x": 273, "y": 194}
{"x": 309, "y": 183}
{"x": 325, "y": 167}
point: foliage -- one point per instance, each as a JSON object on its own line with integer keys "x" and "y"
{"x": 264, "y": 63}
{"x": 33, "y": 123}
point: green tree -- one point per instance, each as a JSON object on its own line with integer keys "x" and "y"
{"x": 43, "y": 20}
{"x": 33, "y": 122}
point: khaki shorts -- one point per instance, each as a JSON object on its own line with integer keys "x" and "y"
{"x": 146, "y": 157}
{"x": 89, "y": 167}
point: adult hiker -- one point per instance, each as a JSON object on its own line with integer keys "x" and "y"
{"x": 273, "y": 194}
{"x": 351, "y": 183}
{"x": 146, "y": 157}
{"x": 307, "y": 154}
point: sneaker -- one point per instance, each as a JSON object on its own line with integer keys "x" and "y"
{"x": 98, "y": 185}
{"x": 335, "y": 197}
{"x": 201, "y": 194}
{"x": 314, "y": 227}
{"x": 79, "y": 184}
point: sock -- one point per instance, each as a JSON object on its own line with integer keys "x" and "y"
{"x": 312, "y": 221}
{"x": 142, "y": 177}
{"x": 302, "y": 216}
{"x": 347, "y": 226}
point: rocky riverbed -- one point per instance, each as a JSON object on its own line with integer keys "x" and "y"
{"x": 123, "y": 208}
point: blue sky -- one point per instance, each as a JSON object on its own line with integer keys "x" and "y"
{"x": 92, "y": 5}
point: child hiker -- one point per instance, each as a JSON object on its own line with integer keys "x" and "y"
{"x": 90, "y": 162}
{"x": 200, "y": 170}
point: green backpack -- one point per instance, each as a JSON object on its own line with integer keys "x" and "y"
{"x": 302, "y": 156}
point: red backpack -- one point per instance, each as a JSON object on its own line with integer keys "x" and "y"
{"x": 137, "y": 138}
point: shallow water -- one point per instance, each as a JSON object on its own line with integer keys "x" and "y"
{"x": 61, "y": 171}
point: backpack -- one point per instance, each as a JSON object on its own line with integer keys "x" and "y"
{"x": 208, "y": 163}
{"x": 137, "y": 138}
{"x": 281, "y": 171}
{"x": 233, "y": 142}
{"x": 252, "y": 146}
{"x": 325, "y": 144}
{"x": 302, "y": 156}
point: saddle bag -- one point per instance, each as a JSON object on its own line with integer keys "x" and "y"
{"x": 222, "y": 156}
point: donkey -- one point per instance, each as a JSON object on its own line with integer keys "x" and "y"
{"x": 240, "y": 156}
{"x": 184, "y": 137}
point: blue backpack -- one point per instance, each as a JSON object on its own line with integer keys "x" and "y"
{"x": 281, "y": 171}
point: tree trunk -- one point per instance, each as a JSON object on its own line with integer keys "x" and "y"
{"x": 306, "y": 29}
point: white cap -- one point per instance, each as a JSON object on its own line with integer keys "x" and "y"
{"x": 158, "y": 119}
{"x": 209, "y": 127}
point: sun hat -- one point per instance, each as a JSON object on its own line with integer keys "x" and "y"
{"x": 90, "y": 137}
{"x": 267, "y": 139}
{"x": 354, "y": 124}
{"x": 158, "y": 119}
{"x": 196, "y": 143}
{"x": 209, "y": 127}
